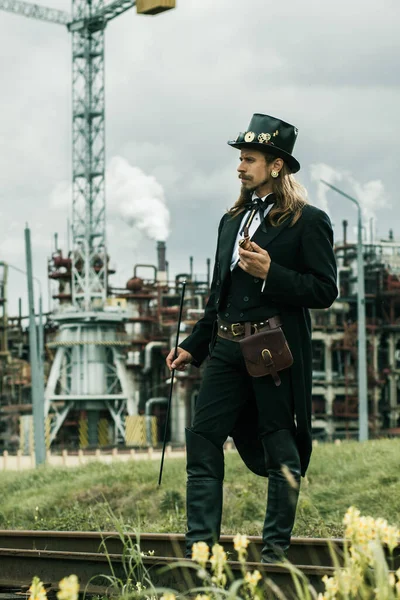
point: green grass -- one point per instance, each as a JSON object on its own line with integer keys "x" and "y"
{"x": 364, "y": 475}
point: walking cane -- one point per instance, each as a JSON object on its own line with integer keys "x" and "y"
{"x": 172, "y": 381}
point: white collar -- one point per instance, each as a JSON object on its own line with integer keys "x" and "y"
{"x": 254, "y": 196}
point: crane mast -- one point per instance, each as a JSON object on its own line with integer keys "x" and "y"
{"x": 89, "y": 261}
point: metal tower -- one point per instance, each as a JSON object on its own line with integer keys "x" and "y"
{"x": 88, "y": 371}
{"x": 89, "y": 266}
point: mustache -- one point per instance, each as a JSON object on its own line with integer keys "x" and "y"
{"x": 242, "y": 177}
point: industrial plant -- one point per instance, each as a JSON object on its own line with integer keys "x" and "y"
{"x": 102, "y": 348}
{"x": 106, "y": 379}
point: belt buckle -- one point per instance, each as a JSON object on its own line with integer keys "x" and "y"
{"x": 233, "y": 325}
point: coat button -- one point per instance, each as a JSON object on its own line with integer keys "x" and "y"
{"x": 228, "y": 305}
{"x": 217, "y": 300}
{"x": 256, "y": 280}
{"x": 226, "y": 314}
{"x": 246, "y": 298}
{"x": 242, "y": 314}
{"x": 218, "y": 282}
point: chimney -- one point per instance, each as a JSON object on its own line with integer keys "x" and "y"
{"x": 345, "y": 224}
{"x": 161, "y": 263}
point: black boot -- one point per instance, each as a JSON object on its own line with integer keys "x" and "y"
{"x": 283, "y": 493}
{"x": 205, "y": 470}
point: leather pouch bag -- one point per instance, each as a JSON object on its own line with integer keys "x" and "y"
{"x": 266, "y": 353}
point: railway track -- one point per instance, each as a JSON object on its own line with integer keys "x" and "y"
{"x": 94, "y": 556}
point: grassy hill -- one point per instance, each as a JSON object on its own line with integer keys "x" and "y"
{"x": 365, "y": 475}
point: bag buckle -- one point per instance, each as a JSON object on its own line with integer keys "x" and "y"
{"x": 266, "y": 353}
{"x": 233, "y": 325}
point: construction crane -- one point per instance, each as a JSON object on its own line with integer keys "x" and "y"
{"x": 87, "y": 329}
{"x": 87, "y": 24}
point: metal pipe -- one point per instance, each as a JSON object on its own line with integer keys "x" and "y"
{"x": 68, "y": 236}
{"x": 148, "y": 354}
{"x": 37, "y": 383}
{"x": 149, "y": 403}
{"x": 146, "y": 265}
{"x": 41, "y": 340}
{"x": 4, "y": 340}
{"x": 208, "y": 271}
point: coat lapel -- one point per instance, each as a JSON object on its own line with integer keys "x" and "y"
{"x": 228, "y": 237}
{"x": 263, "y": 238}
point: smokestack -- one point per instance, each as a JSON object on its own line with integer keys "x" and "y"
{"x": 167, "y": 269}
{"x": 161, "y": 262}
{"x": 191, "y": 267}
{"x": 345, "y": 223}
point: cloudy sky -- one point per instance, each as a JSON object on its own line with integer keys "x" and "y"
{"x": 178, "y": 86}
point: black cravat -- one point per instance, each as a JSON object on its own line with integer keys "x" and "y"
{"x": 262, "y": 205}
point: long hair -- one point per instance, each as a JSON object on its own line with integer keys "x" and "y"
{"x": 290, "y": 197}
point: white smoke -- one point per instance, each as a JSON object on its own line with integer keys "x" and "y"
{"x": 137, "y": 198}
{"x": 371, "y": 195}
{"x": 131, "y": 195}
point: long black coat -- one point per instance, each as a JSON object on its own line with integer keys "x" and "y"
{"x": 302, "y": 275}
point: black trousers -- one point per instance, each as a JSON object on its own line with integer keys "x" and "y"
{"x": 226, "y": 388}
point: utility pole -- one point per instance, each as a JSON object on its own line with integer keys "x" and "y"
{"x": 362, "y": 341}
{"x": 37, "y": 382}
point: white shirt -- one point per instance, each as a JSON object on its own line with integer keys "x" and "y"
{"x": 252, "y": 229}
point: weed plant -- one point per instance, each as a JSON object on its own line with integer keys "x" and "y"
{"x": 364, "y": 575}
{"x": 365, "y": 475}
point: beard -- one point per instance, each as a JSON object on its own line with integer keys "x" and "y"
{"x": 246, "y": 193}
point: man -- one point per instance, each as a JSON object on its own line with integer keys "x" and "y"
{"x": 289, "y": 268}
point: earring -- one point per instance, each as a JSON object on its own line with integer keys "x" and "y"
{"x": 274, "y": 174}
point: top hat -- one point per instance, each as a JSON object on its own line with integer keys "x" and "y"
{"x": 270, "y": 135}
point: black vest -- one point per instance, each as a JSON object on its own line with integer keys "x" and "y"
{"x": 244, "y": 300}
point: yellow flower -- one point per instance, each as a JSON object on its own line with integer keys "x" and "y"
{"x": 200, "y": 553}
{"x": 168, "y": 596}
{"x": 218, "y": 557}
{"x": 218, "y": 561}
{"x": 252, "y": 578}
{"x": 69, "y": 588}
{"x": 240, "y": 542}
{"x": 37, "y": 591}
{"x": 331, "y": 587}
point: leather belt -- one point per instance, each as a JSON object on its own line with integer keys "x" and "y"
{"x": 237, "y": 331}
